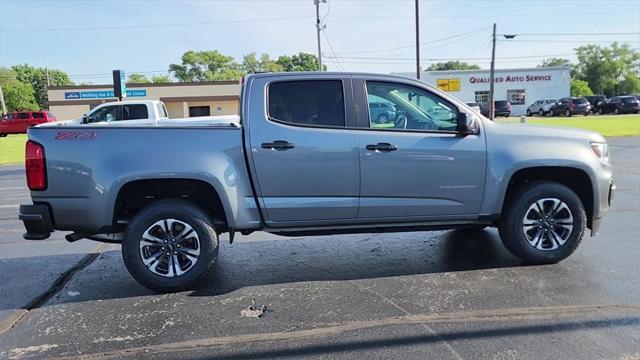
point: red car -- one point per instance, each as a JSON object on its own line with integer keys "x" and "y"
{"x": 17, "y": 122}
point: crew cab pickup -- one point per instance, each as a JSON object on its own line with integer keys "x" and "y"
{"x": 112, "y": 113}
{"x": 305, "y": 157}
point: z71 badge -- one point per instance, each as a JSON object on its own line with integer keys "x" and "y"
{"x": 76, "y": 135}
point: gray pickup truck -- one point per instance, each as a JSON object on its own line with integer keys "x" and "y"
{"x": 305, "y": 158}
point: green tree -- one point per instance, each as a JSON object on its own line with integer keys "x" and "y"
{"x": 265, "y": 64}
{"x": 554, "y": 62}
{"x": 206, "y": 66}
{"x": 300, "y": 62}
{"x": 138, "y": 79}
{"x": 161, "y": 79}
{"x": 19, "y": 96}
{"x": 580, "y": 88}
{"x": 452, "y": 65}
{"x": 39, "y": 79}
{"x": 609, "y": 70}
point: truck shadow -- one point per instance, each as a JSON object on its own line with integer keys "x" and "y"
{"x": 291, "y": 260}
{"x": 352, "y": 257}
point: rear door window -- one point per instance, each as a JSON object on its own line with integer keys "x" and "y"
{"x": 38, "y": 115}
{"x": 135, "y": 112}
{"x": 307, "y": 102}
{"x": 22, "y": 115}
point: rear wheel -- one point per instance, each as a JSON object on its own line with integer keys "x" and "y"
{"x": 170, "y": 245}
{"x": 3, "y": 135}
{"x": 567, "y": 113}
{"x": 600, "y": 112}
{"x": 541, "y": 112}
{"x": 616, "y": 111}
{"x": 543, "y": 222}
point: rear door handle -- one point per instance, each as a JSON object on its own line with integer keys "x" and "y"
{"x": 385, "y": 147}
{"x": 278, "y": 145}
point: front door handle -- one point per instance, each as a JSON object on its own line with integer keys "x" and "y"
{"x": 278, "y": 145}
{"x": 384, "y": 147}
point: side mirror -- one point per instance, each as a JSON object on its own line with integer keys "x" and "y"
{"x": 85, "y": 119}
{"x": 466, "y": 125}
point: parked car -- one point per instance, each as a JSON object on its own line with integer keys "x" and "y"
{"x": 502, "y": 108}
{"x": 302, "y": 160}
{"x": 571, "y": 106}
{"x": 540, "y": 107}
{"x": 18, "y": 122}
{"x": 474, "y": 106}
{"x": 596, "y": 101}
{"x": 382, "y": 112}
{"x": 620, "y": 105}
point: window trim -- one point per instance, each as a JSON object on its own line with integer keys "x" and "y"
{"x": 394, "y": 130}
{"x": 279, "y": 121}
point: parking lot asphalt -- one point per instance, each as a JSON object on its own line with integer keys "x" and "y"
{"x": 442, "y": 295}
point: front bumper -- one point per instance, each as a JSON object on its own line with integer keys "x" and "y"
{"x": 595, "y": 222}
{"x": 37, "y": 220}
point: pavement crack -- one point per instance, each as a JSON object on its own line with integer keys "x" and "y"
{"x": 63, "y": 279}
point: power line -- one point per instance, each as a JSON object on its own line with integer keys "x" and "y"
{"x": 578, "y": 34}
{"x": 324, "y": 33}
{"x": 413, "y": 45}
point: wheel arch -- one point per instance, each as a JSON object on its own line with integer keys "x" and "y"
{"x": 575, "y": 178}
{"x": 134, "y": 194}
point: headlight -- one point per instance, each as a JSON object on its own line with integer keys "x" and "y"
{"x": 601, "y": 150}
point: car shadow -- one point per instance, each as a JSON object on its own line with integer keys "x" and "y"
{"x": 319, "y": 258}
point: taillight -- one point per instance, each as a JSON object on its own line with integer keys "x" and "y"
{"x": 35, "y": 166}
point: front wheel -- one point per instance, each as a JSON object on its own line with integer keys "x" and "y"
{"x": 170, "y": 245}
{"x": 541, "y": 112}
{"x": 567, "y": 113}
{"x": 528, "y": 112}
{"x": 600, "y": 112}
{"x": 542, "y": 222}
{"x": 616, "y": 111}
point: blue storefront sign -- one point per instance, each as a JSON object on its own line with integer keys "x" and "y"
{"x": 104, "y": 94}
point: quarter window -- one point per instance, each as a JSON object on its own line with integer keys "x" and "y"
{"x": 516, "y": 97}
{"x": 409, "y": 108}
{"x": 37, "y": 115}
{"x": 310, "y": 103}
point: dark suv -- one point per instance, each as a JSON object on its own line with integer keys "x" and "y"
{"x": 620, "y": 105}
{"x": 571, "y": 106}
{"x": 502, "y": 108}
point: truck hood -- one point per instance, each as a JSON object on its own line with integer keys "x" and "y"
{"x": 221, "y": 120}
{"x": 546, "y": 131}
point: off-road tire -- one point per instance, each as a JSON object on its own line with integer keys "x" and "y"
{"x": 183, "y": 211}
{"x": 510, "y": 226}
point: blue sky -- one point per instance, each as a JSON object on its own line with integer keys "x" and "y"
{"x": 89, "y": 38}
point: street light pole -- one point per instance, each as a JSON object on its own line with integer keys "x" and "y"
{"x": 318, "y": 28}
{"x": 492, "y": 74}
{"x": 418, "y": 39}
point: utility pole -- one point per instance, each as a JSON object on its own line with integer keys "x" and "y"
{"x": 492, "y": 74}
{"x": 318, "y": 29}
{"x": 3, "y": 107}
{"x": 418, "y": 39}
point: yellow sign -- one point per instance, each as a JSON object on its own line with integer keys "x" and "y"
{"x": 448, "y": 84}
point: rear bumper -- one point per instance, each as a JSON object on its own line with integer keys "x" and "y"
{"x": 36, "y": 220}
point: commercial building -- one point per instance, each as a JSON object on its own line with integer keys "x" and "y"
{"x": 182, "y": 99}
{"x": 521, "y": 87}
